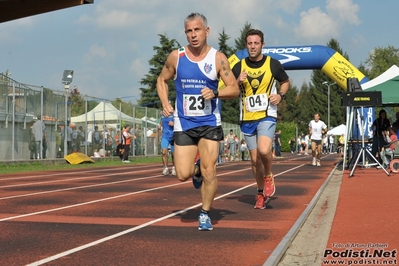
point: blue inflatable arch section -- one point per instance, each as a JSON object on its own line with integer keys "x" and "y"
{"x": 307, "y": 57}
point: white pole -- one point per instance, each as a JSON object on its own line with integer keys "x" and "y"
{"x": 66, "y": 121}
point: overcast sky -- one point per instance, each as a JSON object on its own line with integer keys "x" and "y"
{"x": 108, "y": 44}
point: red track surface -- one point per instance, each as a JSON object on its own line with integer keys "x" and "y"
{"x": 132, "y": 215}
{"x": 367, "y": 218}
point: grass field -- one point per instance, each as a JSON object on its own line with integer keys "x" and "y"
{"x": 7, "y": 168}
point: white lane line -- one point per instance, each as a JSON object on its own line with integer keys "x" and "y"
{"x": 99, "y": 241}
{"x": 100, "y": 200}
{"x": 71, "y": 172}
{"x": 76, "y": 178}
{"x": 86, "y": 203}
{"x": 80, "y": 187}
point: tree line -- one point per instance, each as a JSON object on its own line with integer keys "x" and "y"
{"x": 300, "y": 103}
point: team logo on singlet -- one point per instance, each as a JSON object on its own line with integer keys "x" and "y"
{"x": 207, "y": 68}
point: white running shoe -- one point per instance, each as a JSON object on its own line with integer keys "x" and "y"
{"x": 173, "y": 171}
{"x": 318, "y": 163}
{"x": 314, "y": 161}
{"x": 165, "y": 171}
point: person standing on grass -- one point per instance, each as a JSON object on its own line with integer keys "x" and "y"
{"x": 126, "y": 139}
{"x": 39, "y": 131}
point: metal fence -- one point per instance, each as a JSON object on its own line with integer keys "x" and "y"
{"x": 97, "y": 128}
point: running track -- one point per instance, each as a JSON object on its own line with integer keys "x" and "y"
{"x": 133, "y": 215}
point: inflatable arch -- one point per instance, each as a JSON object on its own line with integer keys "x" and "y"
{"x": 330, "y": 62}
{"x": 307, "y": 57}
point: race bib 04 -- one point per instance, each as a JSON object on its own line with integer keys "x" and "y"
{"x": 257, "y": 102}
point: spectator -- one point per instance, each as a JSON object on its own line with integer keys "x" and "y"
{"x": 74, "y": 137}
{"x": 330, "y": 143}
{"x": 341, "y": 143}
{"x": 390, "y": 137}
{"x": 126, "y": 138}
{"x": 81, "y": 137}
{"x": 58, "y": 142}
{"x": 136, "y": 132}
{"x": 96, "y": 154}
{"x": 243, "y": 149}
{"x": 96, "y": 138}
{"x": 299, "y": 145}
{"x": 166, "y": 125}
{"x": 379, "y": 125}
{"x": 277, "y": 143}
{"x": 32, "y": 143}
{"x": 39, "y": 131}
{"x": 291, "y": 142}
{"x": 325, "y": 144}
{"x": 231, "y": 144}
{"x": 396, "y": 124}
{"x": 44, "y": 145}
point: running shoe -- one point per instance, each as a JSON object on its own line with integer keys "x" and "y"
{"x": 204, "y": 222}
{"x": 260, "y": 201}
{"x": 314, "y": 161}
{"x": 269, "y": 187}
{"x": 318, "y": 163}
{"x": 197, "y": 178}
{"x": 173, "y": 171}
{"x": 165, "y": 171}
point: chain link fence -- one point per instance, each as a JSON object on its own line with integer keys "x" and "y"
{"x": 35, "y": 120}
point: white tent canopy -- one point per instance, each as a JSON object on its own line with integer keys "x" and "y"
{"x": 104, "y": 112}
{"x": 390, "y": 73}
{"x": 337, "y": 131}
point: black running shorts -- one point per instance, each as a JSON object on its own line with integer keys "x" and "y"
{"x": 192, "y": 136}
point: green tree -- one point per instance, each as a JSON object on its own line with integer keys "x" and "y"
{"x": 223, "y": 46}
{"x": 240, "y": 42}
{"x": 380, "y": 59}
{"x": 77, "y": 103}
{"x": 231, "y": 108}
{"x": 378, "y": 62}
{"x": 149, "y": 96}
{"x": 305, "y": 112}
{"x": 289, "y": 108}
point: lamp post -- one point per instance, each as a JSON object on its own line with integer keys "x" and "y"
{"x": 66, "y": 80}
{"x": 328, "y": 104}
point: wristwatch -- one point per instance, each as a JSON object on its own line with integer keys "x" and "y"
{"x": 216, "y": 93}
{"x": 282, "y": 95}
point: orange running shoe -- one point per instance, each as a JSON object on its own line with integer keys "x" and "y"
{"x": 260, "y": 201}
{"x": 269, "y": 187}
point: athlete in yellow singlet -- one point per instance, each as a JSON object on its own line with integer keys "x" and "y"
{"x": 256, "y": 75}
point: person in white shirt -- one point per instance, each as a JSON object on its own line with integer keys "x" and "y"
{"x": 316, "y": 130}
{"x": 299, "y": 145}
{"x": 325, "y": 145}
{"x": 331, "y": 143}
{"x": 305, "y": 144}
